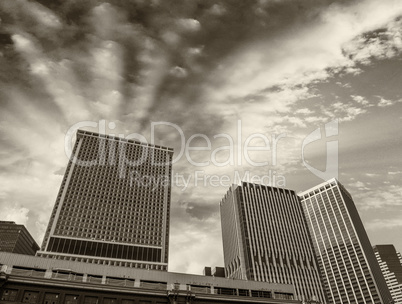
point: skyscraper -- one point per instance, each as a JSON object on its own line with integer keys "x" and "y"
{"x": 113, "y": 206}
{"x": 391, "y": 266}
{"x": 265, "y": 238}
{"x": 349, "y": 269}
{"x": 16, "y": 238}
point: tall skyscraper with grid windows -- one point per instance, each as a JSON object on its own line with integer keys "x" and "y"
{"x": 265, "y": 238}
{"x": 113, "y": 206}
{"x": 349, "y": 268}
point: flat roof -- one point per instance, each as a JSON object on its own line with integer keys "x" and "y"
{"x": 27, "y": 261}
{"x": 332, "y": 181}
{"x": 317, "y": 187}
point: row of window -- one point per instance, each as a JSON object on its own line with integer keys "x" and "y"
{"x": 153, "y": 241}
{"x": 100, "y": 261}
{"x": 105, "y": 250}
{"x": 34, "y": 297}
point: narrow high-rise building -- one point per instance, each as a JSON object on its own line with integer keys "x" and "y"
{"x": 391, "y": 266}
{"x": 265, "y": 238}
{"x": 349, "y": 269}
{"x": 113, "y": 206}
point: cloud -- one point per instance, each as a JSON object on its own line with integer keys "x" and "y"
{"x": 194, "y": 238}
{"x": 245, "y": 77}
{"x": 190, "y": 25}
{"x": 385, "y": 103}
{"x": 352, "y": 113}
{"x": 388, "y": 196}
{"x": 307, "y": 59}
{"x": 217, "y": 9}
{"x": 178, "y": 72}
{"x": 343, "y": 111}
{"x": 379, "y": 224}
{"x": 359, "y": 185}
{"x": 34, "y": 17}
{"x": 304, "y": 111}
{"x": 379, "y": 44}
{"x": 394, "y": 172}
{"x": 60, "y": 171}
{"x": 270, "y": 65}
{"x": 360, "y": 99}
{"x": 202, "y": 211}
{"x": 16, "y": 214}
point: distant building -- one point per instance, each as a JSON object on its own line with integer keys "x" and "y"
{"x": 16, "y": 238}
{"x": 349, "y": 268}
{"x": 38, "y": 280}
{"x": 391, "y": 266}
{"x": 266, "y": 238}
{"x": 218, "y": 272}
{"x": 207, "y": 271}
{"x": 113, "y": 206}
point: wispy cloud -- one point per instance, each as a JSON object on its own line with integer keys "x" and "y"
{"x": 386, "y": 196}
{"x": 380, "y": 224}
{"x": 277, "y": 66}
{"x": 383, "y": 43}
{"x": 386, "y": 102}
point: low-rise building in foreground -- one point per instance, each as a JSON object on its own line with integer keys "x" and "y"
{"x": 29, "y": 279}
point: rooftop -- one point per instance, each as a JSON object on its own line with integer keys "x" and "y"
{"x": 45, "y": 268}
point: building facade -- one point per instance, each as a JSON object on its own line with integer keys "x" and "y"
{"x": 349, "y": 269}
{"x": 113, "y": 206}
{"x": 16, "y": 238}
{"x": 37, "y": 280}
{"x": 390, "y": 262}
{"x": 265, "y": 238}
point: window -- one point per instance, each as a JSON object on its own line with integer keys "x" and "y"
{"x": 70, "y": 299}
{"x": 51, "y": 298}
{"x": 9, "y": 295}
{"x": 91, "y": 300}
{"x": 30, "y": 297}
{"x": 244, "y": 292}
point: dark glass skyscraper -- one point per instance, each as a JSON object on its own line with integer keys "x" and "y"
{"x": 349, "y": 269}
{"x": 265, "y": 238}
{"x": 113, "y": 206}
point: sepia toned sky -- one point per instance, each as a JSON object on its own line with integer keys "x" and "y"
{"x": 232, "y": 74}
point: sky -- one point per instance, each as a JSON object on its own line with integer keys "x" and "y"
{"x": 263, "y": 91}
